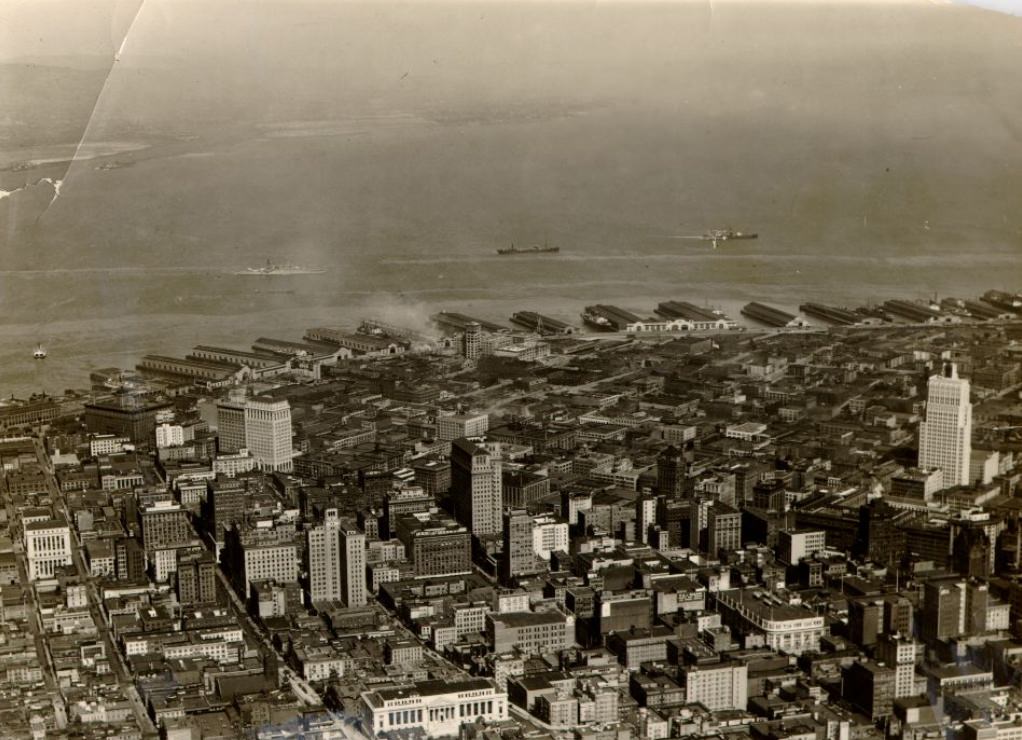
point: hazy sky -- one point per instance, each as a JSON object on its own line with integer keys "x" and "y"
{"x": 478, "y": 121}
{"x": 32, "y": 28}
{"x": 1004, "y": 6}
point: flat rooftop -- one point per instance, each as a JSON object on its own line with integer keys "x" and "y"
{"x": 765, "y": 605}
{"x": 528, "y": 619}
{"x": 433, "y": 688}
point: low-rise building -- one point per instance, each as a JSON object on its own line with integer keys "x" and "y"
{"x": 787, "y": 627}
{"x": 437, "y": 708}
{"x": 530, "y": 632}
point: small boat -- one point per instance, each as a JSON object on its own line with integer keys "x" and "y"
{"x": 40, "y": 353}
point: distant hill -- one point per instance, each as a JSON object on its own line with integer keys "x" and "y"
{"x": 44, "y": 105}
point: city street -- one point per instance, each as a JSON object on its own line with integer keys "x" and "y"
{"x": 99, "y": 616}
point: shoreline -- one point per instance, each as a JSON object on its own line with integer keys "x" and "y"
{"x": 171, "y": 335}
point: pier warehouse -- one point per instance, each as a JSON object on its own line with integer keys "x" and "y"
{"x": 984, "y": 312}
{"x": 541, "y": 324}
{"x": 359, "y": 344}
{"x": 831, "y": 314}
{"x": 771, "y": 316}
{"x": 917, "y": 313}
{"x": 702, "y": 319}
{"x": 458, "y": 322}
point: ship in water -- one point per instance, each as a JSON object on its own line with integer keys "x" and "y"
{"x": 595, "y": 320}
{"x": 719, "y": 235}
{"x": 535, "y": 249}
{"x": 39, "y": 353}
{"x": 723, "y": 235}
{"x": 286, "y": 268}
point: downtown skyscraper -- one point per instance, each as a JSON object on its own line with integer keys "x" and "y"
{"x": 519, "y": 555}
{"x": 268, "y": 433}
{"x": 336, "y": 561}
{"x": 262, "y": 425}
{"x": 476, "y": 486}
{"x": 945, "y": 437}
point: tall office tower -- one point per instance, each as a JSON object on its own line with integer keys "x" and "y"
{"x": 436, "y": 544}
{"x": 945, "y": 438}
{"x": 865, "y": 620}
{"x": 268, "y": 433}
{"x": 164, "y": 525}
{"x": 226, "y": 503}
{"x": 974, "y": 536}
{"x": 259, "y": 554}
{"x": 230, "y": 426}
{"x": 723, "y": 529}
{"x": 473, "y": 340}
{"x": 671, "y": 470}
{"x": 869, "y": 687}
{"x": 899, "y": 652}
{"x": 196, "y": 578}
{"x": 699, "y": 518}
{"x": 645, "y": 517}
{"x": 1009, "y": 547}
{"x": 353, "y": 567}
{"x": 675, "y": 517}
{"x": 476, "y": 486}
{"x": 549, "y": 535}
{"x": 129, "y": 561}
{"x": 977, "y": 602}
{"x": 943, "y": 609}
{"x": 718, "y": 686}
{"x": 972, "y": 552}
{"x": 519, "y": 555}
{"x": 325, "y": 559}
{"x": 897, "y": 615}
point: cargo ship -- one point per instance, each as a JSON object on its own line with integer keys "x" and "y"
{"x": 535, "y": 249}
{"x": 271, "y": 268}
{"x": 723, "y": 235}
{"x": 719, "y": 235}
{"x": 604, "y": 317}
{"x": 596, "y": 321}
{"x": 1005, "y": 301}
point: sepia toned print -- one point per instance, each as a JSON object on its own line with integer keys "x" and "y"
{"x": 485, "y": 369}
